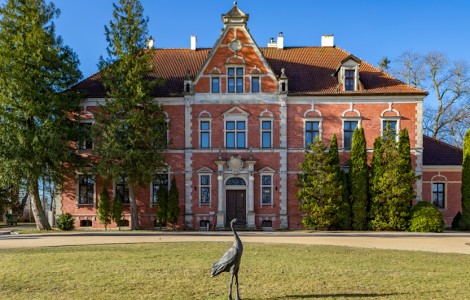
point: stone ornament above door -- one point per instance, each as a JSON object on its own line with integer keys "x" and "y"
{"x": 235, "y": 164}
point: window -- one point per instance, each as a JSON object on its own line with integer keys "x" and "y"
{"x": 235, "y": 80}
{"x": 204, "y": 134}
{"x": 266, "y": 134}
{"x": 86, "y": 189}
{"x": 235, "y": 134}
{"x": 389, "y": 125}
{"x": 86, "y": 223}
{"x": 349, "y": 80}
{"x": 438, "y": 195}
{"x": 266, "y": 223}
{"x": 122, "y": 188}
{"x": 215, "y": 85}
{"x": 85, "y": 142}
{"x": 255, "y": 85}
{"x": 266, "y": 189}
{"x": 349, "y": 127}
{"x": 205, "y": 189}
{"x": 312, "y": 130}
{"x": 159, "y": 182}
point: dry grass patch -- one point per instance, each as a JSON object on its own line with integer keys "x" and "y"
{"x": 182, "y": 271}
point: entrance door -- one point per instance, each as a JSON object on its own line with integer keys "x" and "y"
{"x": 236, "y": 206}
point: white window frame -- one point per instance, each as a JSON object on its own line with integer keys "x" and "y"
{"x": 200, "y": 186}
{"x": 344, "y": 79}
{"x": 320, "y": 129}
{"x": 243, "y": 76}
{"x": 236, "y": 119}
{"x": 77, "y": 188}
{"x": 220, "y": 83}
{"x": 349, "y": 119}
{"x": 261, "y": 130}
{"x": 397, "y": 128}
{"x": 251, "y": 83}
{"x": 200, "y": 131}
{"x": 440, "y": 179}
{"x": 270, "y": 174}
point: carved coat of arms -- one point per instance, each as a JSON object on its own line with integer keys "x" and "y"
{"x": 235, "y": 164}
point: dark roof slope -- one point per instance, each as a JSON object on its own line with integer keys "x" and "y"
{"x": 310, "y": 71}
{"x": 438, "y": 153}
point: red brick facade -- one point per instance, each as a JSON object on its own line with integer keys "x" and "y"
{"x": 236, "y": 164}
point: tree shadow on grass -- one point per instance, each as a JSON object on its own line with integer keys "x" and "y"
{"x": 341, "y": 295}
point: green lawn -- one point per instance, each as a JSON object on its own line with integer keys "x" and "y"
{"x": 182, "y": 271}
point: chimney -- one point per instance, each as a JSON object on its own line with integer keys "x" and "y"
{"x": 150, "y": 43}
{"x": 280, "y": 41}
{"x": 328, "y": 40}
{"x": 193, "y": 42}
{"x": 271, "y": 43}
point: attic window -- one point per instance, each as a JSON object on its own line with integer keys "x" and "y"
{"x": 235, "y": 80}
{"x": 349, "y": 80}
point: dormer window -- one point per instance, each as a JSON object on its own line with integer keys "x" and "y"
{"x": 349, "y": 80}
{"x": 235, "y": 80}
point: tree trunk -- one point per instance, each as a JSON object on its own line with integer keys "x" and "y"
{"x": 134, "y": 212}
{"x": 37, "y": 209}
{"x": 22, "y": 204}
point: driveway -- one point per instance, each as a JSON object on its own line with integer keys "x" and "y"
{"x": 450, "y": 242}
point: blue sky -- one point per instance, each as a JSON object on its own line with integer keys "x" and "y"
{"x": 367, "y": 29}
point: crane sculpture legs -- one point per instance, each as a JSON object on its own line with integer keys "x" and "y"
{"x": 236, "y": 286}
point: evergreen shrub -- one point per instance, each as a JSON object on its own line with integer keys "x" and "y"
{"x": 65, "y": 222}
{"x": 456, "y": 220}
{"x": 425, "y": 217}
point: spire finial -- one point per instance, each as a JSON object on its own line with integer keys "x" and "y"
{"x": 235, "y": 3}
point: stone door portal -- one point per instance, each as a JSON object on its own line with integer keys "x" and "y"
{"x": 236, "y": 206}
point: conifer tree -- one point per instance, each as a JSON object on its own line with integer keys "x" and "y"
{"x": 117, "y": 214}
{"x": 162, "y": 205}
{"x": 104, "y": 208}
{"x": 359, "y": 187}
{"x": 377, "y": 208}
{"x": 38, "y": 114}
{"x": 173, "y": 203}
{"x": 318, "y": 192}
{"x": 465, "y": 219}
{"x": 404, "y": 147}
{"x": 343, "y": 219}
{"x": 392, "y": 193}
{"x": 130, "y": 130}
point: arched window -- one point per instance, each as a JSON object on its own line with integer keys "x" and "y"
{"x": 236, "y": 181}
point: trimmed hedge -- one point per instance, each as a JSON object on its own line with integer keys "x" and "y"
{"x": 425, "y": 217}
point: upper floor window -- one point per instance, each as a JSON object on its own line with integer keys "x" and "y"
{"x": 85, "y": 141}
{"x": 266, "y": 133}
{"x": 205, "y": 134}
{"x": 312, "y": 130}
{"x": 235, "y": 134}
{"x": 235, "y": 80}
{"x": 159, "y": 182}
{"x": 349, "y": 80}
{"x": 122, "y": 188}
{"x": 348, "y": 131}
{"x": 215, "y": 85}
{"x": 438, "y": 195}
{"x": 86, "y": 189}
{"x": 255, "y": 84}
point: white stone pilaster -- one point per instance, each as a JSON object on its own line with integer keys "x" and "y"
{"x": 419, "y": 150}
{"x": 188, "y": 156}
{"x": 283, "y": 162}
{"x": 220, "y": 194}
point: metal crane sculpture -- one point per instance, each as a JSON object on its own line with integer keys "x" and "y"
{"x": 230, "y": 262}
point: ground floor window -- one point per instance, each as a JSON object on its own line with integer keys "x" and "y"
{"x": 86, "y": 223}
{"x": 205, "y": 189}
{"x": 159, "y": 182}
{"x": 438, "y": 195}
{"x": 266, "y": 189}
{"x": 122, "y": 188}
{"x": 86, "y": 189}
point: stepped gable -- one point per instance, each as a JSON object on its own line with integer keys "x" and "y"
{"x": 438, "y": 153}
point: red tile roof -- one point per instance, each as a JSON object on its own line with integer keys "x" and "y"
{"x": 438, "y": 153}
{"x": 310, "y": 71}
